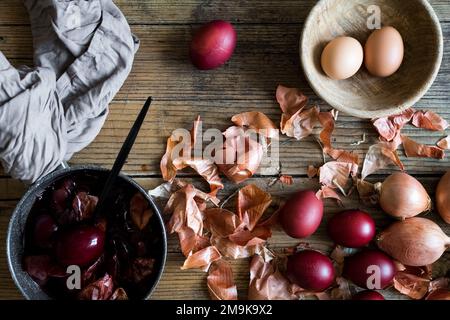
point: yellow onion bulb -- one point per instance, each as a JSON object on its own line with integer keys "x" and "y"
{"x": 443, "y": 197}
{"x": 414, "y": 242}
{"x": 402, "y": 196}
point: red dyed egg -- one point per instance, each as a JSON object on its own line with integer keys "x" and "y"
{"x": 301, "y": 215}
{"x": 352, "y": 228}
{"x": 311, "y": 270}
{"x": 368, "y": 295}
{"x": 213, "y": 45}
{"x": 370, "y": 269}
{"x": 80, "y": 246}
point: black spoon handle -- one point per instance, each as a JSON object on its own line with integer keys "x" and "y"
{"x": 122, "y": 157}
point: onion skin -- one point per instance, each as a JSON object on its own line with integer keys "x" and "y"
{"x": 301, "y": 215}
{"x": 402, "y": 196}
{"x": 443, "y": 197}
{"x": 351, "y": 228}
{"x": 311, "y": 270}
{"x": 213, "y": 45}
{"x": 414, "y": 242}
{"x": 356, "y": 268}
{"x": 368, "y": 295}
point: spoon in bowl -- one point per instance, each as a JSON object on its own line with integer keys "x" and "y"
{"x": 84, "y": 243}
{"x": 122, "y": 157}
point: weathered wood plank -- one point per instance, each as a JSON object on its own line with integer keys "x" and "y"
{"x": 295, "y": 156}
{"x": 199, "y": 11}
{"x": 189, "y": 284}
{"x": 266, "y": 55}
{"x": 171, "y": 79}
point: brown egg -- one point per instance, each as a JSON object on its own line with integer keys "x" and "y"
{"x": 342, "y": 58}
{"x": 384, "y": 52}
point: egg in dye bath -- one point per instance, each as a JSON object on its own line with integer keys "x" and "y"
{"x": 384, "y": 52}
{"x": 342, "y": 58}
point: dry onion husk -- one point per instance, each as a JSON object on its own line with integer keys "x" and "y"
{"x": 417, "y": 150}
{"x": 389, "y": 127}
{"x": 429, "y": 120}
{"x": 241, "y": 155}
{"x": 444, "y": 143}
{"x": 296, "y": 121}
{"x": 220, "y": 281}
{"x": 257, "y": 121}
{"x": 172, "y": 162}
{"x": 267, "y": 282}
{"x": 439, "y": 289}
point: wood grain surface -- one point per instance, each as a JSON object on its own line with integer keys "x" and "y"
{"x": 267, "y": 54}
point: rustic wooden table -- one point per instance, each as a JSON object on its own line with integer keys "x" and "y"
{"x": 266, "y": 55}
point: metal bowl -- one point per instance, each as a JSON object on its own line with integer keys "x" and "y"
{"x": 16, "y": 230}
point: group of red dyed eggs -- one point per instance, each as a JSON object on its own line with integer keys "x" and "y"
{"x": 211, "y": 47}
{"x": 301, "y": 216}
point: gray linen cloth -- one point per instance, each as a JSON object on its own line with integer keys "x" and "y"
{"x": 83, "y": 53}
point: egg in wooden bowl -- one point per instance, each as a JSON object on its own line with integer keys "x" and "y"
{"x": 397, "y": 80}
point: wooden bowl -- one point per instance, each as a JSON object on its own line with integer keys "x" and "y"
{"x": 364, "y": 95}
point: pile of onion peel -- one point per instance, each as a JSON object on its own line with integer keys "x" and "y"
{"x": 257, "y": 121}
{"x": 236, "y": 167}
{"x": 384, "y": 153}
{"x": 389, "y": 128}
{"x": 239, "y": 167}
{"x": 297, "y": 121}
{"x": 220, "y": 281}
{"x": 187, "y": 221}
{"x": 338, "y": 256}
{"x": 412, "y": 281}
{"x": 418, "y": 283}
{"x": 203, "y": 166}
{"x": 242, "y": 234}
{"x": 439, "y": 289}
{"x": 210, "y": 235}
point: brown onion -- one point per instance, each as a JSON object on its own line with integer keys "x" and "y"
{"x": 443, "y": 197}
{"x": 402, "y": 196}
{"x": 414, "y": 242}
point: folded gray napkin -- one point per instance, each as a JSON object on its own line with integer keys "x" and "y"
{"x": 83, "y": 53}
